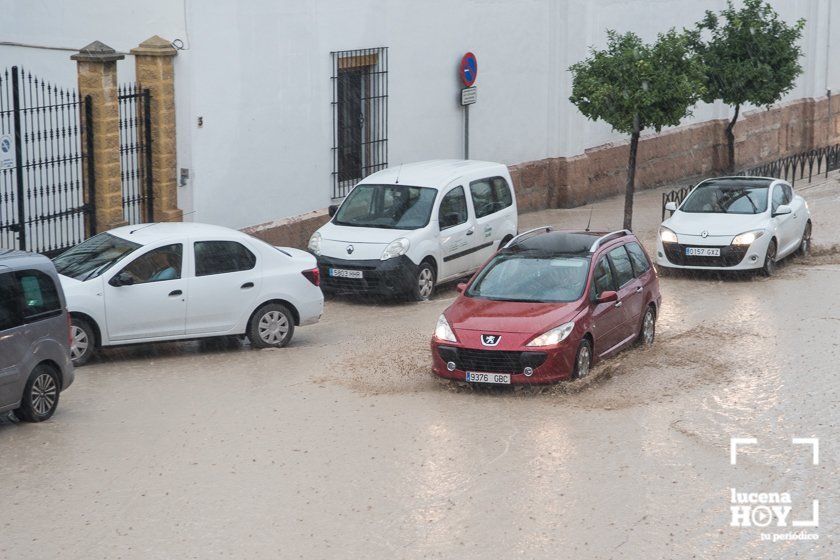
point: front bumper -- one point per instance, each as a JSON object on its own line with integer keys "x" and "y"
{"x": 672, "y": 255}
{"x": 395, "y": 276}
{"x": 549, "y": 365}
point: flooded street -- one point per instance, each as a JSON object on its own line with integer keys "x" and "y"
{"x": 343, "y": 445}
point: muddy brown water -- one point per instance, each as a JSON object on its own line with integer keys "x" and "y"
{"x": 343, "y": 446}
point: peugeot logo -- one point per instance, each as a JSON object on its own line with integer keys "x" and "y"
{"x": 350, "y": 249}
{"x": 704, "y": 234}
{"x": 490, "y": 339}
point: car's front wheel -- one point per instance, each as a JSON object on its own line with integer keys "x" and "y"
{"x": 83, "y": 341}
{"x": 272, "y": 326}
{"x": 40, "y": 395}
{"x": 805, "y": 244}
{"x": 424, "y": 285}
{"x": 583, "y": 359}
{"x": 769, "y": 267}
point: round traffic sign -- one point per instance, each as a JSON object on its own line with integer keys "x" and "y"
{"x": 469, "y": 69}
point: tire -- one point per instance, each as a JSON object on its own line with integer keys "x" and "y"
{"x": 424, "y": 282}
{"x": 84, "y": 341}
{"x": 40, "y": 395}
{"x": 647, "y": 332}
{"x": 272, "y": 326}
{"x": 769, "y": 267}
{"x": 805, "y": 244}
{"x": 583, "y": 360}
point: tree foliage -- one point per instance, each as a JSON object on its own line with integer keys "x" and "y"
{"x": 749, "y": 55}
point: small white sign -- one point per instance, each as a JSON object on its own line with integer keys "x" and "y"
{"x": 7, "y": 151}
{"x": 469, "y": 95}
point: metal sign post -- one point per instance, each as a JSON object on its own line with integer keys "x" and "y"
{"x": 469, "y": 94}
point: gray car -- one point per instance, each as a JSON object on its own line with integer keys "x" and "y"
{"x": 35, "y": 361}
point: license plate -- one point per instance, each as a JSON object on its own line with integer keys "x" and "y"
{"x": 343, "y": 273}
{"x": 702, "y": 251}
{"x": 497, "y": 378}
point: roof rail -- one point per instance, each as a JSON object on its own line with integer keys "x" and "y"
{"x": 529, "y": 233}
{"x": 609, "y": 237}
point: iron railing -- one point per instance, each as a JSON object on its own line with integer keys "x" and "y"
{"x": 789, "y": 168}
{"x": 360, "y": 116}
{"x": 136, "y": 154}
{"x": 46, "y": 205}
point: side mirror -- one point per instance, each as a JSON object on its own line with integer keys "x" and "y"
{"x": 782, "y": 210}
{"x": 671, "y": 206}
{"x": 121, "y": 279}
{"x": 332, "y": 209}
{"x": 461, "y": 287}
{"x": 608, "y": 296}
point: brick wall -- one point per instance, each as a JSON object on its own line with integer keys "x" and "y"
{"x": 600, "y": 172}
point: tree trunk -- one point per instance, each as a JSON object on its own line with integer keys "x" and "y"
{"x": 730, "y": 141}
{"x": 631, "y": 179}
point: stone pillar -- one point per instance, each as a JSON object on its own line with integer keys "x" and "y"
{"x": 154, "y": 65}
{"x": 96, "y": 66}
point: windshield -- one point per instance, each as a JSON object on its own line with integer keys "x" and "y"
{"x": 511, "y": 277}
{"x": 727, "y": 198}
{"x": 386, "y": 206}
{"x": 91, "y": 258}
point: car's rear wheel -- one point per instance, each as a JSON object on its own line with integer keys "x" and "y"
{"x": 583, "y": 359}
{"x": 424, "y": 285}
{"x": 769, "y": 267}
{"x": 805, "y": 244}
{"x": 648, "y": 331}
{"x": 83, "y": 341}
{"x": 40, "y": 395}
{"x": 272, "y": 326}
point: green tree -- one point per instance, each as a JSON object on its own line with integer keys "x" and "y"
{"x": 632, "y": 86}
{"x": 750, "y": 56}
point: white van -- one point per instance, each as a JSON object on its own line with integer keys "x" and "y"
{"x": 407, "y": 228}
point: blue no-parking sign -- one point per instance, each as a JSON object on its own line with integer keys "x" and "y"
{"x": 469, "y": 69}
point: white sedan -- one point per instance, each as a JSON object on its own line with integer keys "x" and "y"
{"x": 735, "y": 223}
{"x": 171, "y": 281}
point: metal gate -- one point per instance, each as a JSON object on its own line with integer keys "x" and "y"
{"x": 136, "y": 154}
{"x": 46, "y": 175}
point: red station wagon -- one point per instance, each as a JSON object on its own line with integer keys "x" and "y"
{"x": 547, "y": 307}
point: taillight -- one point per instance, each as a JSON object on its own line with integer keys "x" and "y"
{"x": 69, "y": 328}
{"x": 313, "y": 275}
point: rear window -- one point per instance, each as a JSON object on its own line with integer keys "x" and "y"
{"x": 9, "y": 316}
{"x": 638, "y": 258}
{"x": 220, "y": 257}
{"x": 39, "y": 295}
{"x": 621, "y": 263}
{"x": 490, "y": 195}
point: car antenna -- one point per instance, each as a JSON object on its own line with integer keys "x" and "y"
{"x": 590, "y": 219}
{"x": 142, "y": 227}
{"x": 397, "y": 180}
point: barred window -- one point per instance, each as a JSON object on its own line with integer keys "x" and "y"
{"x": 360, "y": 116}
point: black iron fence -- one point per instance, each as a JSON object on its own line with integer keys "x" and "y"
{"x": 136, "y": 154}
{"x": 818, "y": 161}
{"x": 46, "y": 201}
{"x": 360, "y": 116}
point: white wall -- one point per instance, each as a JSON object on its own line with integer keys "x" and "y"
{"x": 258, "y": 72}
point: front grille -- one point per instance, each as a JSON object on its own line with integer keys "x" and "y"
{"x": 491, "y": 361}
{"x": 730, "y": 255}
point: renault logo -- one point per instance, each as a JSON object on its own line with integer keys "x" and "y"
{"x": 704, "y": 234}
{"x": 350, "y": 249}
{"x": 490, "y": 339}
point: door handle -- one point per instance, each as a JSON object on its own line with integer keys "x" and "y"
{"x": 638, "y": 289}
{"x": 247, "y": 285}
{"x": 470, "y": 231}
{"x": 619, "y": 304}
{"x": 176, "y": 293}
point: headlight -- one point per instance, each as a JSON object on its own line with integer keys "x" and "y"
{"x": 395, "y": 248}
{"x": 442, "y": 330}
{"x": 748, "y": 237}
{"x": 554, "y": 336}
{"x": 666, "y": 235}
{"x": 315, "y": 243}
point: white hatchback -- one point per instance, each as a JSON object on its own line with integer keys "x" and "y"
{"x": 405, "y": 229}
{"x": 170, "y": 281}
{"x": 735, "y": 223}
